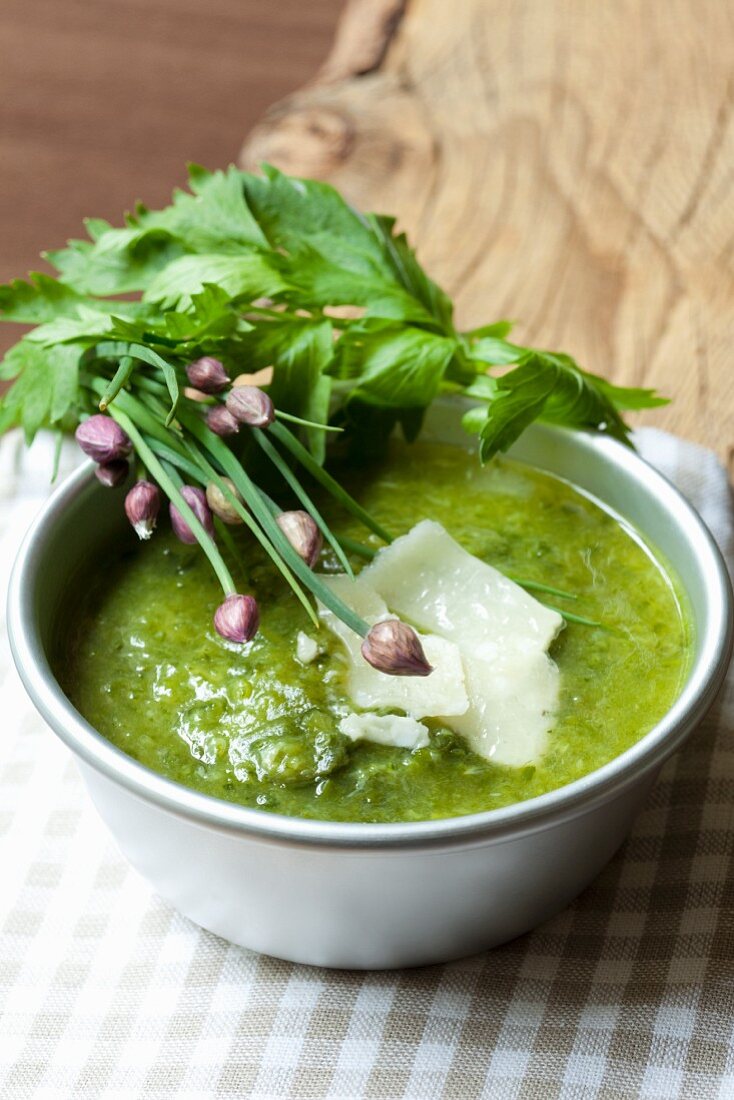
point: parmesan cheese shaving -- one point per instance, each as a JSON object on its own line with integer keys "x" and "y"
{"x": 493, "y": 681}
{"x": 442, "y": 692}
{"x": 307, "y": 648}
{"x": 502, "y": 632}
{"x": 386, "y": 729}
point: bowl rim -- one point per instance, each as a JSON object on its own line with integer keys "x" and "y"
{"x": 705, "y": 677}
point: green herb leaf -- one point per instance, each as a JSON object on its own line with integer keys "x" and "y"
{"x": 292, "y": 212}
{"x": 121, "y": 260}
{"x": 248, "y": 276}
{"x": 400, "y": 367}
{"x": 496, "y": 352}
{"x": 45, "y": 386}
{"x": 401, "y": 259}
{"x": 551, "y": 387}
{"x": 300, "y": 349}
{"x": 215, "y": 217}
{"x": 498, "y": 330}
{"x": 257, "y": 271}
{"x": 626, "y": 398}
{"x": 39, "y": 299}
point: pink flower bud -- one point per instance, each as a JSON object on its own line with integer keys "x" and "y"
{"x": 196, "y": 500}
{"x": 237, "y": 619}
{"x": 220, "y": 503}
{"x": 208, "y": 375}
{"x": 250, "y": 405}
{"x": 394, "y": 648}
{"x": 142, "y": 504}
{"x": 103, "y": 439}
{"x": 195, "y": 395}
{"x": 112, "y": 474}
{"x": 220, "y": 421}
{"x": 303, "y": 535}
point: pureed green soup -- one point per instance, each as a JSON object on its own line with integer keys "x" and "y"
{"x": 255, "y": 726}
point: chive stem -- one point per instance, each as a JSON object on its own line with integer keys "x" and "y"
{"x": 226, "y": 537}
{"x": 213, "y": 475}
{"x": 358, "y": 548}
{"x": 169, "y": 487}
{"x": 304, "y": 456}
{"x": 261, "y": 512}
{"x": 292, "y": 481}
{"x": 57, "y": 455}
{"x": 173, "y": 458}
{"x": 538, "y": 586}
{"x": 306, "y": 423}
{"x": 570, "y": 617}
{"x": 120, "y": 378}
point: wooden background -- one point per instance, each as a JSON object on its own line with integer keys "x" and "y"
{"x": 103, "y": 102}
{"x": 566, "y": 163}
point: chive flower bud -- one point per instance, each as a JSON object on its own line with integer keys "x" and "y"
{"x": 394, "y": 648}
{"x": 237, "y": 619}
{"x": 208, "y": 375}
{"x": 303, "y": 535}
{"x": 112, "y": 474}
{"x": 103, "y": 439}
{"x": 196, "y": 500}
{"x": 195, "y": 395}
{"x": 142, "y": 505}
{"x": 220, "y": 421}
{"x": 250, "y": 405}
{"x": 220, "y": 503}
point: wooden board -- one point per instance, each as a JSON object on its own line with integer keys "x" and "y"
{"x": 564, "y": 163}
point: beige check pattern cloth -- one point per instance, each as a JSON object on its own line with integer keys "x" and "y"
{"x": 107, "y": 992}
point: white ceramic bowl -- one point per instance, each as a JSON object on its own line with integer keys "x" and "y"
{"x": 373, "y": 896}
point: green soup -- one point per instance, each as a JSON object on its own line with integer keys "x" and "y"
{"x": 255, "y": 726}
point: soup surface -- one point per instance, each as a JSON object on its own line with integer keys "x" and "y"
{"x": 254, "y": 725}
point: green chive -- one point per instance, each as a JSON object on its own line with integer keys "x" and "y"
{"x": 299, "y": 452}
{"x": 289, "y": 477}
{"x": 169, "y": 487}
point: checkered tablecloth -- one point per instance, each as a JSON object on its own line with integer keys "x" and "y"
{"x": 105, "y": 991}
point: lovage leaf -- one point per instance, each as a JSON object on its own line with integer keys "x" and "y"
{"x": 40, "y": 299}
{"x": 400, "y": 366}
{"x": 294, "y": 212}
{"x": 215, "y": 217}
{"x": 496, "y": 352}
{"x": 249, "y": 275}
{"x": 87, "y": 323}
{"x": 120, "y": 261}
{"x": 45, "y": 386}
{"x": 299, "y": 349}
{"x": 498, "y": 329}
{"x": 313, "y": 281}
{"x": 629, "y": 398}
{"x": 402, "y": 261}
{"x": 550, "y": 387}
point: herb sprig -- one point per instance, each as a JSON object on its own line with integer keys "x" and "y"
{"x": 271, "y": 271}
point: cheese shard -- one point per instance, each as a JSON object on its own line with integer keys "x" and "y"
{"x": 402, "y": 732}
{"x": 429, "y": 579}
{"x": 307, "y": 648}
{"x": 503, "y": 634}
{"x": 442, "y": 692}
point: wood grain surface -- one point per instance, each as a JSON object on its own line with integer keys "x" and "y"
{"x": 563, "y": 163}
{"x": 103, "y": 102}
